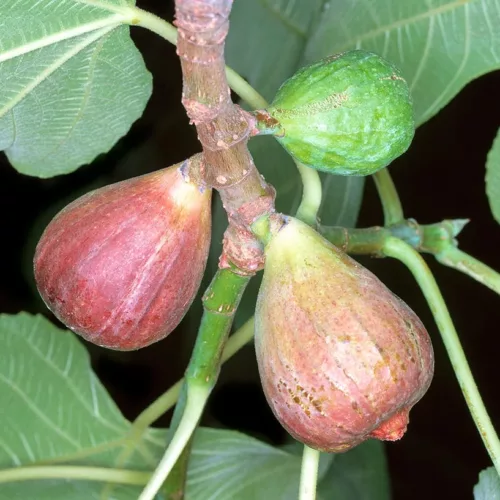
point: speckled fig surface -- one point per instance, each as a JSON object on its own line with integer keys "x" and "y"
{"x": 121, "y": 265}
{"x": 348, "y": 114}
{"x": 341, "y": 358}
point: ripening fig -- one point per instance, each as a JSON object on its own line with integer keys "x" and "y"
{"x": 121, "y": 265}
{"x": 341, "y": 358}
{"x": 348, "y": 114}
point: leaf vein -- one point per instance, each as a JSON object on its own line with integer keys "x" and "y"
{"x": 379, "y": 30}
{"x": 437, "y": 101}
{"x": 70, "y": 384}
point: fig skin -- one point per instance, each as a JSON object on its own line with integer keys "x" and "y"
{"x": 341, "y": 358}
{"x": 121, "y": 265}
{"x": 347, "y": 114}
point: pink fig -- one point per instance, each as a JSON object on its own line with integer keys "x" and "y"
{"x": 341, "y": 358}
{"x": 121, "y": 265}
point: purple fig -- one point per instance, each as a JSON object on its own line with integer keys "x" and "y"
{"x": 341, "y": 358}
{"x": 121, "y": 265}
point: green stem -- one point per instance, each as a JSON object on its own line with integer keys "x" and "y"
{"x": 245, "y": 90}
{"x": 103, "y": 474}
{"x": 309, "y": 474}
{"x": 413, "y": 260}
{"x": 431, "y": 238}
{"x": 196, "y": 397}
{"x": 168, "y": 399}
{"x": 366, "y": 241}
{"x": 437, "y": 237}
{"x": 391, "y": 204}
{"x": 453, "y": 257}
{"x": 154, "y": 23}
{"x": 220, "y": 303}
{"x": 311, "y": 195}
{"x": 261, "y": 229}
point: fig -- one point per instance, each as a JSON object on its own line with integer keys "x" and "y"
{"x": 348, "y": 114}
{"x": 341, "y": 358}
{"x": 121, "y": 265}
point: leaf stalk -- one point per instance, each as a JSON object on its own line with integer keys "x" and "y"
{"x": 416, "y": 264}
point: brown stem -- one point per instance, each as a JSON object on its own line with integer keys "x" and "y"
{"x": 223, "y": 128}
{"x": 225, "y": 164}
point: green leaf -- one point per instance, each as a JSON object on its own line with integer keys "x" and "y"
{"x": 55, "y": 411}
{"x": 360, "y": 474}
{"x": 240, "y": 467}
{"x": 54, "y": 405}
{"x": 227, "y": 465}
{"x": 72, "y": 81}
{"x": 488, "y": 487}
{"x": 493, "y": 177}
{"x": 341, "y": 201}
{"x": 224, "y": 465}
{"x": 440, "y": 46}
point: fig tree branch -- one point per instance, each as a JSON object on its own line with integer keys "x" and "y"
{"x": 438, "y": 239}
{"x": 168, "y": 399}
{"x": 227, "y": 165}
{"x": 220, "y": 303}
{"x": 223, "y": 127}
{"x": 311, "y": 196}
{"x": 429, "y": 238}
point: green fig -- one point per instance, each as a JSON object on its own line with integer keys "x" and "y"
{"x": 348, "y": 114}
{"x": 121, "y": 265}
{"x": 341, "y": 358}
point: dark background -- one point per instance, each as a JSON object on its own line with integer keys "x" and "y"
{"x": 442, "y": 176}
